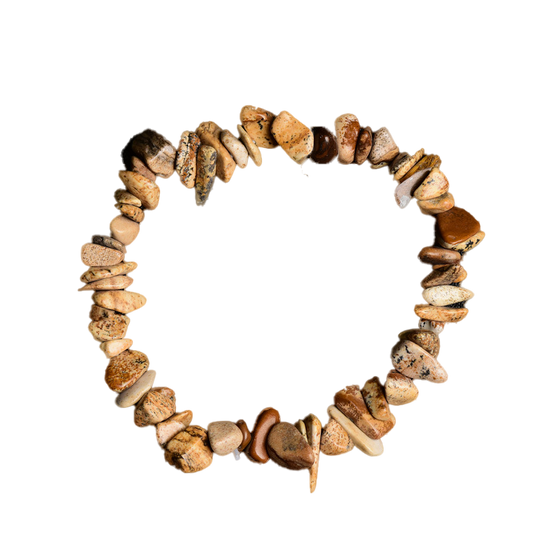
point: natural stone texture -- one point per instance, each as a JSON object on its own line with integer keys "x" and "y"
{"x": 347, "y": 128}
{"x": 224, "y": 437}
{"x": 189, "y": 450}
{"x": 440, "y": 314}
{"x": 96, "y": 255}
{"x": 444, "y": 295}
{"x": 101, "y": 313}
{"x": 157, "y": 405}
{"x": 427, "y": 163}
{"x": 364, "y": 145}
{"x": 143, "y": 188}
{"x": 186, "y": 158}
{"x": 134, "y": 213}
{"x": 154, "y": 151}
{"x": 465, "y": 246}
{"x": 138, "y": 166}
{"x": 432, "y": 325}
{"x": 258, "y": 122}
{"x": 287, "y": 447}
{"x": 444, "y": 276}
{"x": 436, "y": 184}
{"x": 414, "y": 362}
{"x": 351, "y": 403}
{"x": 235, "y": 148}
{"x": 121, "y": 301}
{"x": 324, "y": 145}
{"x": 125, "y": 369}
{"x": 256, "y": 450}
{"x": 132, "y": 395}
{"x": 96, "y": 273}
{"x": 375, "y": 400}
{"x": 438, "y": 256}
{"x": 169, "y": 428}
{"x": 426, "y": 339}
{"x": 109, "y": 242}
{"x": 404, "y": 191}
{"x": 115, "y": 347}
{"x": 383, "y": 147}
{"x": 335, "y": 440}
{"x": 124, "y": 229}
{"x": 399, "y": 389}
{"x": 110, "y": 328}
{"x": 300, "y": 426}
{"x": 108, "y": 284}
{"x": 205, "y": 177}
{"x": 253, "y": 150}
{"x": 437, "y": 205}
{"x": 403, "y": 163}
{"x": 313, "y": 429}
{"x": 456, "y": 225}
{"x": 209, "y": 134}
{"x": 246, "y": 435}
{"x": 293, "y": 136}
{"x": 125, "y": 197}
{"x": 372, "y": 447}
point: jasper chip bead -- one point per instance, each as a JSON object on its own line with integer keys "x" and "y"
{"x": 189, "y": 450}
{"x": 157, "y": 405}
{"x": 266, "y": 420}
{"x": 288, "y": 448}
{"x": 125, "y": 369}
{"x": 456, "y": 225}
{"x": 324, "y": 146}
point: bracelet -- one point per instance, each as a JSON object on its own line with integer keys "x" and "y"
{"x": 359, "y": 417}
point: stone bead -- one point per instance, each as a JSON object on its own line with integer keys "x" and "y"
{"x": 426, "y": 163}
{"x": 96, "y": 255}
{"x": 138, "y": 166}
{"x": 109, "y": 242}
{"x": 300, "y": 426}
{"x": 258, "y": 122}
{"x": 256, "y": 450}
{"x": 224, "y": 437}
{"x": 428, "y": 340}
{"x": 364, "y": 145}
{"x": 398, "y": 162}
{"x": 157, "y": 405}
{"x": 143, "y": 188}
{"x": 448, "y": 315}
{"x": 107, "y": 329}
{"x": 351, "y": 403}
{"x": 444, "y": 295}
{"x": 436, "y": 184}
{"x": 246, "y": 435}
{"x": 205, "y": 178}
{"x": 465, "y": 246}
{"x": 414, "y": 362}
{"x": 123, "y": 196}
{"x": 335, "y": 440}
{"x": 132, "y": 395}
{"x": 209, "y": 134}
{"x": 400, "y": 170}
{"x": 125, "y": 369}
{"x": 405, "y": 190}
{"x": 186, "y": 158}
{"x": 235, "y": 148}
{"x": 456, "y": 225}
{"x": 101, "y": 313}
{"x": 155, "y": 151}
{"x": 287, "y": 447}
{"x": 437, "y": 205}
{"x": 124, "y": 229}
{"x": 293, "y": 136}
{"x": 383, "y": 147}
{"x": 444, "y": 276}
{"x": 115, "y": 347}
{"x": 169, "y": 428}
{"x": 253, "y": 150}
{"x": 133, "y": 213}
{"x": 439, "y": 256}
{"x": 432, "y": 325}
{"x": 375, "y": 400}
{"x": 399, "y": 389}
{"x": 324, "y": 146}
{"x": 96, "y": 273}
{"x": 189, "y": 450}
{"x": 372, "y": 447}
{"x": 347, "y": 128}
{"x": 313, "y": 429}
{"x": 130, "y": 301}
{"x": 108, "y": 284}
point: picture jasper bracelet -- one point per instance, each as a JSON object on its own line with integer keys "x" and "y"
{"x": 359, "y": 417}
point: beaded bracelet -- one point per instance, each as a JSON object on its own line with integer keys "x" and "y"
{"x": 359, "y": 417}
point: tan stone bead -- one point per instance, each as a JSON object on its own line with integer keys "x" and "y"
{"x": 124, "y": 229}
{"x": 258, "y": 122}
{"x": 253, "y": 150}
{"x": 96, "y": 255}
{"x": 426, "y": 339}
{"x": 347, "y": 129}
{"x": 364, "y": 145}
{"x": 293, "y": 136}
{"x": 444, "y": 276}
{"x": 224, "y": 437}
{"x": 300, "y": 426}
{"x": 155, "y": 151}
{"x": 287, "y": 447}
{"x": 133, "y": 394}
{"x": 375, "y": 400}
{"x": 206, "y": 171}
{"x": 169, "y": 428}
{"x": 209, "y": 134}
{"x": 143, "y": 188}
{"x": 335, "y": 440}
{"x": 115, "y": 347}
{"x": 436, "y": 184}
{"x": 108, "y": 284}
{"x": 109, "y": 242}
{"x": 415, "y": 363}
{"x": 107, "y": 329}
{"x": 235, "y": 147}
{"x": 440, "y": 314}
{"x": 157, "y": 405}
{"x": 428, "y": 162}
{"x": 96, "y": 273}
{"x": 464, "y": 246}
{"x": 138, "y": 166}
{"x": 444, "y": 295}
{"x": 189, "y": 450}
{"x": 437, "y": 205}
{"x": 434, "y": 255}
{"x": 405, "y": 189}
{"x": 408, "y": 164}
{"x": 125, "y": 369}
{"x": 384, "y": 148}
{"x": 121, "y": 301}
{"x": 266, "y": 420}
{"x": 132, "y": 212}
{"x": 313, "y": 429}
{"x": 399, "y": 389}
{"x": 246, "y": 435}
{"x": 125, "y": 197}
{"x": 186, "y": 158}
{"x": 101, "y": 313}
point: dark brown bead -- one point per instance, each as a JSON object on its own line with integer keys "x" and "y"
{"x": 325, "y": 145}
{"x": 246, "y": 435}
{"x": 266, "y": 420}
{"x": 398, "y": 161}
{"x": 364, "y": 145}
{"x": 439, "y": 256}
{"x": 456, "y": 225}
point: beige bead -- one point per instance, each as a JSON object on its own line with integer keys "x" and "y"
{"x": 155, "y": 406}
{"x": 108, "y": 284}
{"x": 209, "y": 134}
{"x": 335, "y": 440}
{"x": 415, "y": 363}
{"x": 300, "y": 426}
{"x": 133, "y": 213}
{"x": 113, "y": 327}
{"x": 124, "y": 197}
{"x": 115, "y": 347}
{"x": 224, "y": 437}
{"x": 96, "y": 255}
{"x": 399, "y": 389}
{"x": 235, "y": 148}
{"x": 383, "y": 148}
{"x": 408, "y": 164}
{"x": 125, "y": 369}
{"x": 189, "y": 450}
{"x": 375, "y": 400}
{"x": 121, "y": 301}
{"x": 347, "y": 129}
{"x": 169, "y": 428}
{"x": 464, "y": 246}
{"x": 313, "y": 435}
{"x": 258, "y": 122}
{"x": 437, "y": 205}
{"x": 444, "y": 295}
{"x": 143, "y": 188}
{"x": 435, "y": 185}
{"x": 132, "y": 395}
{"x": 253, "y": 150}
{"x": 124, "y": 229}
{"x": 96, "y": 273}
{"x": 293, "y": 136}
{"x": 440, "y": 314}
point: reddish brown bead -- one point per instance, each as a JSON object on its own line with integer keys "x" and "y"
{"x": 439, "y": 256}
{"x": 246, "y": 435}
{"x": 456, "y": 225}
{"x": 364, "y": 145}
{"x": 324, "y": 147}
{"x": 266, "y": 420}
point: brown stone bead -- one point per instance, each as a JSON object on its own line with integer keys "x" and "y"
{"x": 186, "y": 158}
{"x": 189, "y": 450}
{"x": 153, "y": 150}
{"x": 313, "y": 429}
{"x": 324, "y": 147}
{"x": 97, "y": 273}
{"x": 440, "y": 314}
{"x": 400, "y": 160}
{"x": 456, "y": 225}
{"x": 96, "y": 255}
{"x": 438, "y": 256}
{"x": 121, "y": 301}
{"x": 293, "y": 136}
{"x": 288, "y": 448}
{"x": 157, "y": 405}
{"x": 401, "y": 166}
{"x": 434, "y": 186}
{"x": 109, "y": 242}
{"x": 444, "y": 276}
{"x": 130, "y": 211}
{"x": 257, "y": 123}
{"x": 266, "y": 420}
{"x": 384, "y": 148}
{"x": 399, "y": 389}
{"x": 108, "y": 284}
{"x": 138, "y": 166}
{"x": 246, "y": 435}
{"x": 111, "y": 328}
{"x": 415, "y": 363}
{"x": 146, "y": 190}
{"x": 437, "y": 205}
{"x": 424, "y": 338}
{"x": 125, "y": 369}
{"x": 206, "y": 170}
{"x": 209, "y": 134}
{"x": 375, "y": 400}
{"x": 101, "y": 313}
{"x": 169, "y": 428}
{"x": 335, "y": 440}
{"x": 364, "y": 145}
{"x": 347, "y": 128}
{"x": 427, "y": 163}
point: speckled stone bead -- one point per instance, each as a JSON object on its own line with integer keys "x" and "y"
{"x": 153, "y": 150}
{"x": 364, "y": 145}
{"x": 186, "y": 158}
{"x": 108, "y": 284}
{"x": 440, "y": 314}
{"x": 96, "y": 273}
{"x": 121, "y": 301}
{"x": 266, "y": 420}
{"x": 439, "y": 256}
{"x": 466, "y": 245}
{"x": 125, "y": 369}
{"x": 414, "y": 362}
{"x": 110, "y": 328}
{"x": 96, "y": 255}
{"x": 405, "y": 190}
{"x": 335, "y": 440}
{"x": 157, "y": 405}
{"x": 109, "y": 242}
{"x": 189, "y": 450}
{"x": 407, "y": 165}
{"x": 399, "y": 389}
{"x": 133, "y": 394}
{"x": 293, "y": 136}
{"x": 422, "y": 167}
{"x": 437, "y": 205}
{"x": 143, "y": 188}
{"x": 444, "y": 295}
{"x": 313, "y": 429}
{"x": 235, "y": 147}
{"x": 115, "y": 347}
{"x": 258, "y": 122}
{"x": 133, "y": 213}
{"x": 209, "y": 134}
{"x": 125, "y": 197}
{"x": 347, "y": 128}
{"x": 444, "y": 276}
{"x": 384, "y": 148}
{"x": 324, "y": 146}
{"x": 428, "y": 340}
{"x": 375, "y": 400}
{"x": 124, "y": 229}
{"x": 435, "y": 185}
{"x": 287, "y": 447}
{"x": 432, "y": 325}
{"x": 169, "y": 428}
{"x": 224, "y": 437}
{"x": 399, "y": 161}
{"x": 253, "y": 150}
{"x": 205, "y": 178}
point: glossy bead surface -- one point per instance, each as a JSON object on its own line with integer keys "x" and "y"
{"x": 324, "y": 147}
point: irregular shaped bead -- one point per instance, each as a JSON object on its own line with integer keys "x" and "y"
{"x": 436, "y": 205}
{"x": 124, "y": 229}
{"x": 133, "y": 394}
{"x": 125, "y": 369}
{"x": 431, "y": 325}
{"x": 293, "y": 136}
{"x": 287, "y": 447}
{"x": 136, "y": 165}
{"x": 300, "y": 426}
{"x": 440, "y": 314}
{"x": 384, "y": 148}
{"x": 121, "y": 301}
{"x": 125, "y": 197}
{"x": 426, "y": 163}
{"x": 107, "y": 329}
{"x": 224, "y": 437}
{"x": 143, "y": 188}
{"x": 347, "y": 128}
{"x": 186, "y": 158}
{"x": 155, "y": 151}
{"x": 132, "y": 212}
{"x": 96, "y": 255}
{"x": 169, "y": 428}
{"x": 444, "y": 276}
{"x": 207, "y": 160}
{"x": 414, "y": 362}
{"x": 428, "y": 340}
{"x": 456, "y": 225}
{"x": 408, "y": 164}
{"x": 398, "y": 162}
{"x": 258, "y": 122}
{"x": 246, "y": 435}
{"x": 399, "y": 389}
{"x": 253, "y": 150}
{"x": 324, "y": 146}
{"x": 189, "y": 450}
{"x": 313, "y": 429}
{"x": 235, "y": 148}
{"x": 209, "y": 134}
{"x": 115, "y": 347}
{"x": 465, "y": 246}
{"x": 266, "y": 420}
{"x": 404, "y": 191}
{"x": 364, "y": 145}
{"x": 101, "y": 313}
{"x": 444, "y": 295}
{"x": 108, "y": 284}
{"x": 109, "y": 242}
{"x": 335, "y": 440}
{"x": 96, "y": 273}
{"x": 157, "y": 405}
{"x": 375, "y": 400}
{"x": 435, "y": 185}
{"x": 438, "y": 256}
